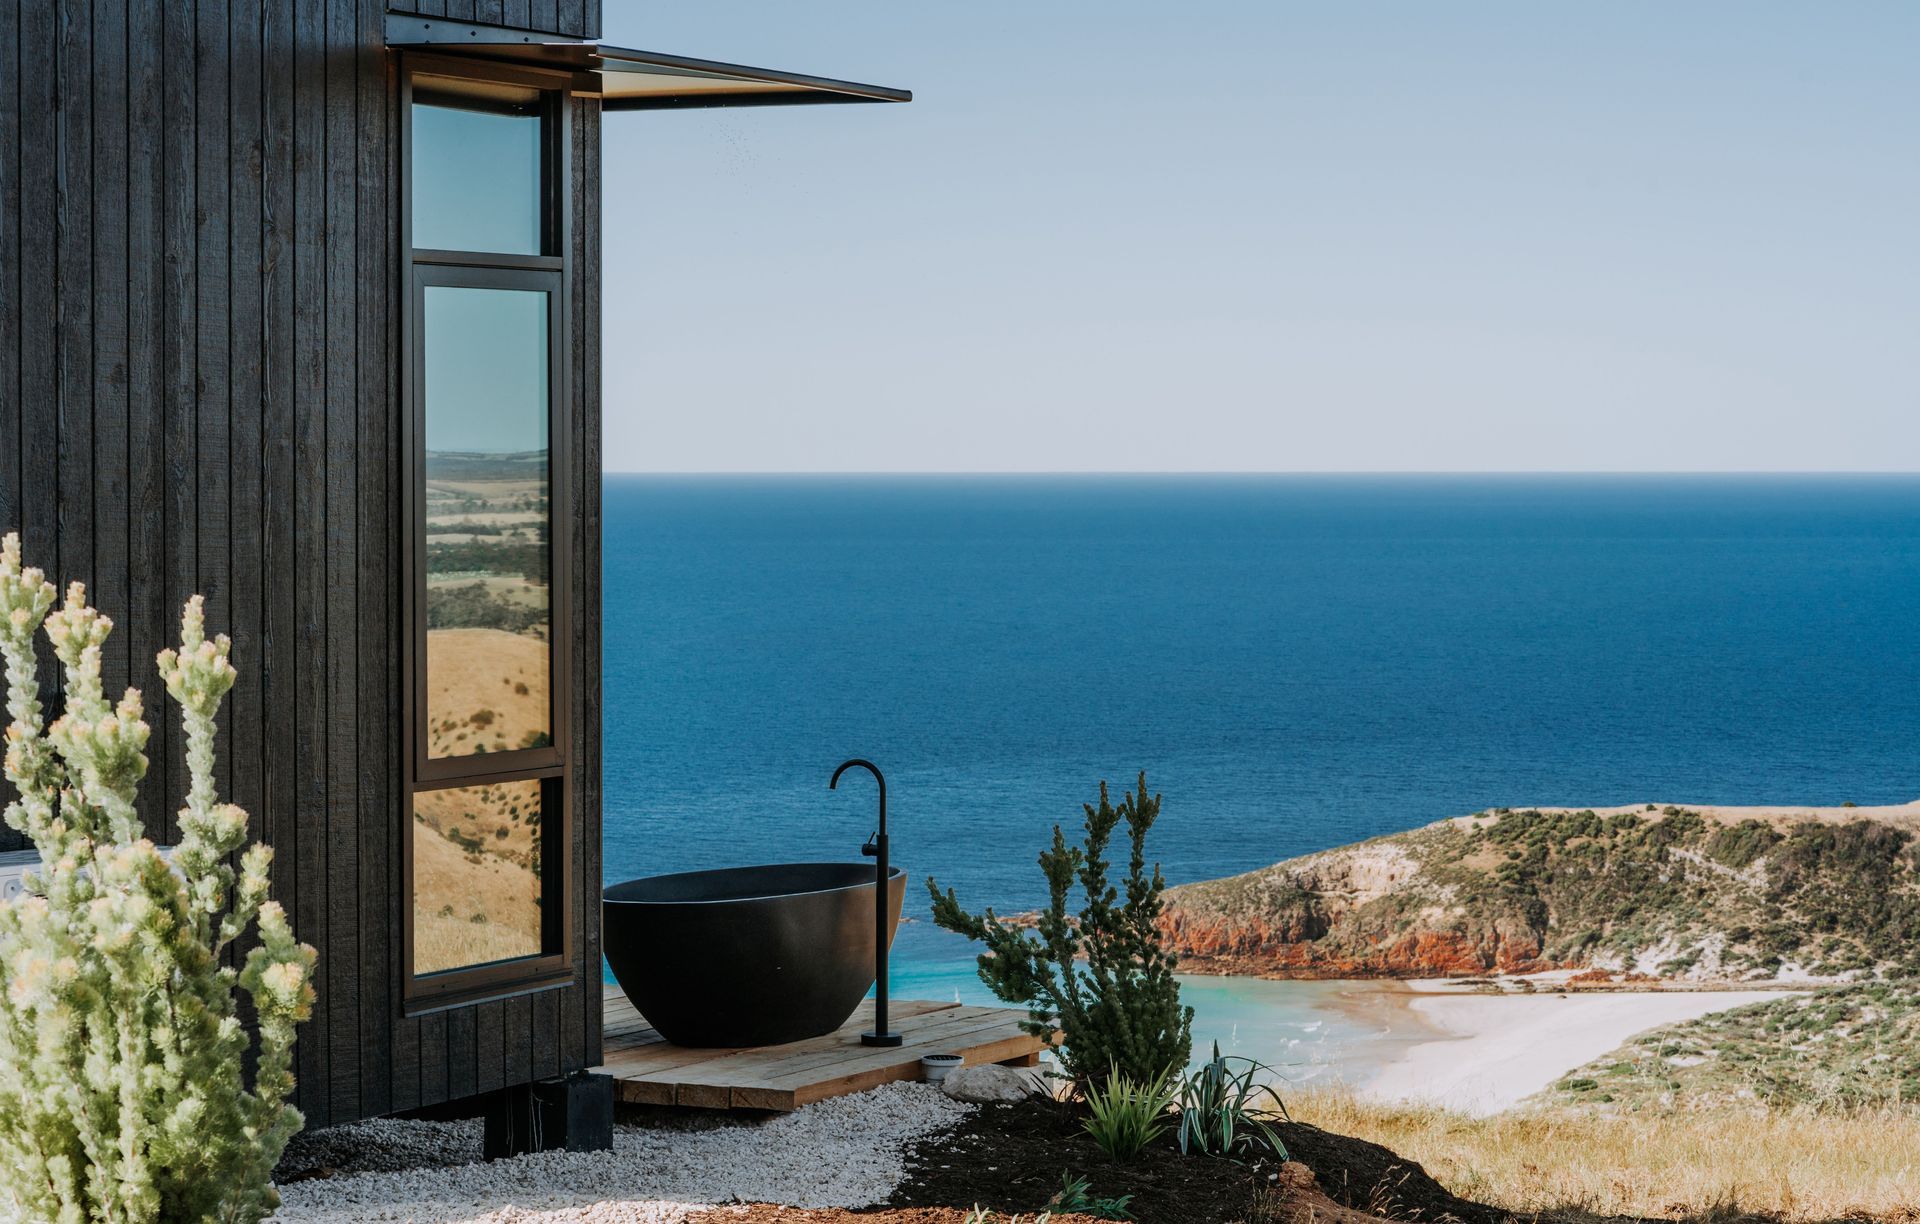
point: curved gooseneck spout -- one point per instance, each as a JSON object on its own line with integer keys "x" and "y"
{"x": 877, "y": 848}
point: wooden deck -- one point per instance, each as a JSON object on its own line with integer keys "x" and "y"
{"x": 646, "y": 1070}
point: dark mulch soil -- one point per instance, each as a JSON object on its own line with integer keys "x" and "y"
{"x": 767, "y": 1213}
{"x": 1378, "y": 1180}
{"x": 1011, "y": 1158}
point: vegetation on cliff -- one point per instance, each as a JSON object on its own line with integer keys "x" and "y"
{"x": 1665, "y": 891}
{"x": 1838, "y": 1049}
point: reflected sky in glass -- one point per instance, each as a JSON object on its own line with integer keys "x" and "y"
{"x": 486, "y": 369}
{"x": 476, "y": 180}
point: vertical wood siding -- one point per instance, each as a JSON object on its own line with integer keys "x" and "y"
{"x": 199, "y": 392}
{"x": 572, "y": 18}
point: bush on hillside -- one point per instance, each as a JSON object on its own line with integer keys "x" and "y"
{"x": 1104, "y": 978}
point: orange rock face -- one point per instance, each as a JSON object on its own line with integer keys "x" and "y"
{"x": 1255, "y": 947}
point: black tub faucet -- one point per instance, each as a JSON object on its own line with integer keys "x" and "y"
{"x": 876, "y": 848}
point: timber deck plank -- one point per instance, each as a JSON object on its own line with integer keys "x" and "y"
{"x": 648, "y": 1070}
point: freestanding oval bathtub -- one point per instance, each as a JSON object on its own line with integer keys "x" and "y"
{"x": 747, "y": 956}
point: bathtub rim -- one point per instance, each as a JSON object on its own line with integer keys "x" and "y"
{"x": 894, "y": 872}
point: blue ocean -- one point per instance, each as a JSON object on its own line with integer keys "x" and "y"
{"x": 1296, "y": 662}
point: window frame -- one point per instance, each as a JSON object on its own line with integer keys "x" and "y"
{"x": 552, "y": 765}
{"x": 427, "y": 767}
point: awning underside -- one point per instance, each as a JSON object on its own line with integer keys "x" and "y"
{"x": 628, "y": 79}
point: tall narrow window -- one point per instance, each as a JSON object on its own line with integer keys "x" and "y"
{"x": 486, "y": 822}
{"x": 488, "y": 509}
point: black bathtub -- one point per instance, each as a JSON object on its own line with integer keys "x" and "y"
{"x": 748, "y": 955}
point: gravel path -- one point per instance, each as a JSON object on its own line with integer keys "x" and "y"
{"x": 846, "y": 1152}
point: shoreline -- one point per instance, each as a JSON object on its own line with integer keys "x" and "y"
{"x": 1489, "y": 1049}
{"x": 1480, "y": 1043}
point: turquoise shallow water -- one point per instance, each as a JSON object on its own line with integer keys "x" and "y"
{"x": 1308, "y": 1032}
{"x": 1299, "y": 662}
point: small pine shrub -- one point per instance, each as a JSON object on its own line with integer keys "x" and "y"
{"x": 1105, "y": 979}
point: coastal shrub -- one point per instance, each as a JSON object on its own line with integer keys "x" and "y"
{"x": 1226, "y": 1109}
{"x": 1616, "y": 886}
{"x": 1738, "y": 845}
{"x": 1103, "y": 978}
{"x": 518, "y": 558}
{"x": 1837, "y": 1049}
{"x": 474, "y": 606}
{"x": 125, "y": 1093}
{"x": 1124, "y": 1114}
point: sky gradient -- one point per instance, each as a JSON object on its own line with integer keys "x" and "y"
{"x": 1274, "y": 237}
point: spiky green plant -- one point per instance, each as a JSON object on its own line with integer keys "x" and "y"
{"x": 1075, "y": 1197}
{"x": 1104, "y": 979}
{"x": 1225, "y": 1111}
{"x": 1124, "y": 1115}
{"x": 124, "y": 1097}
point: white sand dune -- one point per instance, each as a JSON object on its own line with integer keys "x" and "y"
{"x": 1501, "y": 1049}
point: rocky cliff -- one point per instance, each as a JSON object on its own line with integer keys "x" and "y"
{"x": 1707, "y": 893}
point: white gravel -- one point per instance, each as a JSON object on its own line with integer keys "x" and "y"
{"x": 846, "y": 1152}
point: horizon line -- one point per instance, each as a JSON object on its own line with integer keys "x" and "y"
{"x": 1244, "y": 472}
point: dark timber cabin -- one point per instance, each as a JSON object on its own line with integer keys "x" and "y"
{"x": 302, "y": 311}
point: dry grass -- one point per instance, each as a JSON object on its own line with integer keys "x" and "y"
{"x": 440, "y": 489}
{"x": 486, "y": 689}
{"x": 486, "y": 820}
{"x": 470, "y": 908}
{"x": 1719, "y": 1165}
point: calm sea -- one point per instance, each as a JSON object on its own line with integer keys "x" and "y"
{"x": 1297, "y": 662}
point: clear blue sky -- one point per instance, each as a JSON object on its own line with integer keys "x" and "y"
{"x": 1274, "y": 237}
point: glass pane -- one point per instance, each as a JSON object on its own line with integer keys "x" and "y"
{"x": 476, "y": 875}
{"x": 489, "y": 609}
{"x": 476, "y": 176}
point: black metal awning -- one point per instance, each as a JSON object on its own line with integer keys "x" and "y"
{"x": 627, "y": 79}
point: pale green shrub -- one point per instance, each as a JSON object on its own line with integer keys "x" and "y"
{"x": 123, "y": 1095}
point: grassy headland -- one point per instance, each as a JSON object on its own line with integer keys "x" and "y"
{"x": 1707, "y": 894}
{"x": 1840, "y": 1049}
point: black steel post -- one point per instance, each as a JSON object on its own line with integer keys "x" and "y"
{"x": 880, "y": 1035}
{"x": 877, "y": 847}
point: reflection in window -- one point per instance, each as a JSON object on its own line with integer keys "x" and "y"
{"x": 476, "y": 174}
{"x": 488, "y": 543}
{"x": 476, "y": 875}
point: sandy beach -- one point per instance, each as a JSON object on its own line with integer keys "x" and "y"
{"x": 1498, "y": 1049}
